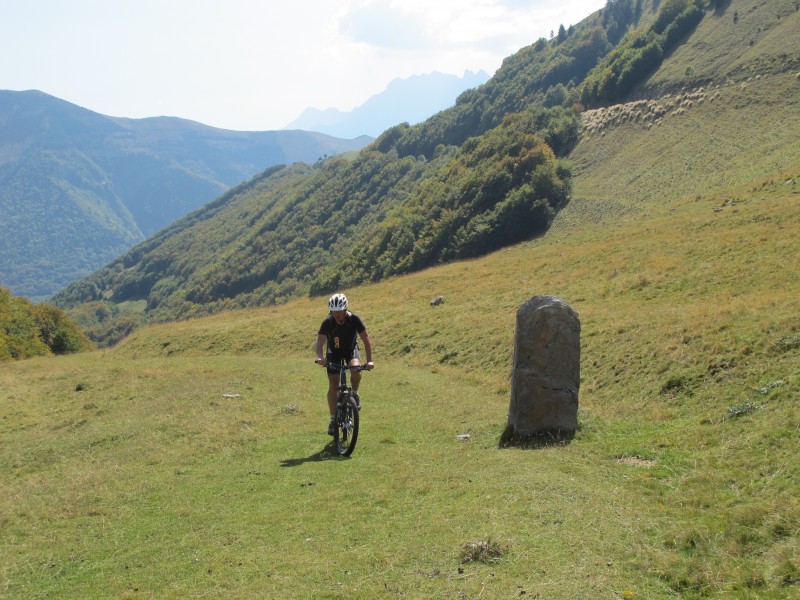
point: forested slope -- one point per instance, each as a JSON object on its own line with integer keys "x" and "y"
{"x": 78, "y": 188}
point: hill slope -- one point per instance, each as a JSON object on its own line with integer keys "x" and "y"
{"x": 472, "y": 178}
{"x": 78, "y": 188}
{"x": 721, "y": 111}
{"x": 468, "y": 180}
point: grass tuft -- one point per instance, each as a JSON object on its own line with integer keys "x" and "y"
{"x": 483, "y": 551}
{"x": 787, "y": 343}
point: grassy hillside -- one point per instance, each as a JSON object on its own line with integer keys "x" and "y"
{"x": 283, "y": 234}
{"x": 192, "y": 459}
{"x": 739, "y": 40}
{"x": 477, "y": 177}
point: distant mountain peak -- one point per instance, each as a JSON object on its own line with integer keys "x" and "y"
{"x": 410, "y": 100}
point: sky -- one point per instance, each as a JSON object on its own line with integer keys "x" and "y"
{"x": 256, "y": 65}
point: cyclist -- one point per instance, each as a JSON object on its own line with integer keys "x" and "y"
{"x": 340, "y": 332}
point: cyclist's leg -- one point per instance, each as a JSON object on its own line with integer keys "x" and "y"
{"x": 333, "y": 381}
{"x": 333, "y": 384}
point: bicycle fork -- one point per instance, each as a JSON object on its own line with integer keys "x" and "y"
{"x": 342, "y": 402}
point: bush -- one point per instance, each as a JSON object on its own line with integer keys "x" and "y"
{"x": 28, "y": 330}
{"x": 59, "y": 333}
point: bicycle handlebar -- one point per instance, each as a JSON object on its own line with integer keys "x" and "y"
{"x": 345, "y": 367}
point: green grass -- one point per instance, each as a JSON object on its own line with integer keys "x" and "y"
{"x": 191, "y": 461}
{"x": 129, "y": 473}
{"x": 148, "y": 482}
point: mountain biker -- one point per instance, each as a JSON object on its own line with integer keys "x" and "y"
{"x": 340, "y": 332}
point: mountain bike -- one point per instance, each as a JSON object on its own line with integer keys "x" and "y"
{"x": 345, "y": 431}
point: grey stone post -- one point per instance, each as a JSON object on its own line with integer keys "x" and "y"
{"x": 546, "y": 373}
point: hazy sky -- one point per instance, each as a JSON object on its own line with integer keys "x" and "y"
{"x": 256, "y": 64}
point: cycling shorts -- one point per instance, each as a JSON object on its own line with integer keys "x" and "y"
{"x": 337, "y": 358}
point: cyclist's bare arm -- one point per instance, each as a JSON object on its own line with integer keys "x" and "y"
{"x": 321, "y": 341}
{"x": 367, "y": 349}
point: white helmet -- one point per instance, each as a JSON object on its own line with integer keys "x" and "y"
{"x": 337, "y": 302}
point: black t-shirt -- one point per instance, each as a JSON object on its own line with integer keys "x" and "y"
{"x": 342, "y": 339}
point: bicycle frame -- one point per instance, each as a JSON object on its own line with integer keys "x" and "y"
{"x": 344, "y": 388}
{"x": 346, "y": 419}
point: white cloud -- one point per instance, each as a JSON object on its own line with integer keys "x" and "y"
{"x": 421, "y": 24}
{"x": 384, "y": 25}
{"x": 413, "y": 25}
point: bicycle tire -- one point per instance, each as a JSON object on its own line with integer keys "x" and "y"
{"x": 345, "y": 434}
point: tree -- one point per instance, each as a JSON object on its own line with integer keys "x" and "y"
{"x": 561, "y": 37}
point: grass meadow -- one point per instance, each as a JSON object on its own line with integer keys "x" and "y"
{"x": 191, "y": 461}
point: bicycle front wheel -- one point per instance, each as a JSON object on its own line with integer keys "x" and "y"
{"x": 345, "y": 434}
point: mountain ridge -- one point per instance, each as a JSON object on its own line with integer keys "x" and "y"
{"x": 78, "y": 188}
{"x": 410, "y": 100}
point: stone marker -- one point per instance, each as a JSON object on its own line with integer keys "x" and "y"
{"x": 546, "y": 373}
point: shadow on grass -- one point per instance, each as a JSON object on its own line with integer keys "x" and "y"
{"x": 327, "y": 453}
{"x": 542, "y": 439}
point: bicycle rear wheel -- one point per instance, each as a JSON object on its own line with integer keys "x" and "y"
{"x": 345, "y": 434}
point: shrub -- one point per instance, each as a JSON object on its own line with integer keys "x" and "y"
{"x": 28, "y": 330}
{"x": 59, "y": 333}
